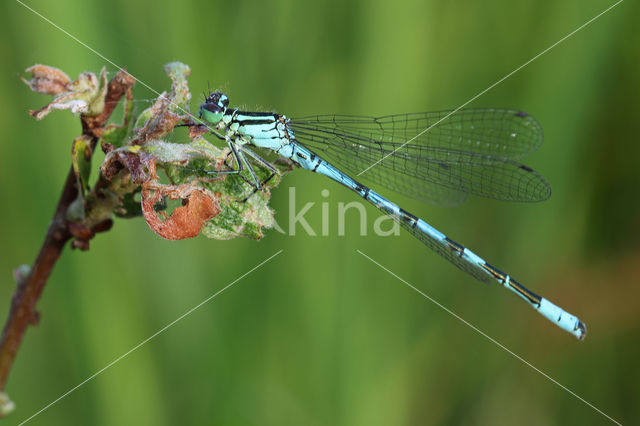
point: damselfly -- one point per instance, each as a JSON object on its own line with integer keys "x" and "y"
{"x": 474, "y": 151}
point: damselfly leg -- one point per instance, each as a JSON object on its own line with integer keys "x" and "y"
{"x": 266, "y": 164}
{"x": 241, "y": 163}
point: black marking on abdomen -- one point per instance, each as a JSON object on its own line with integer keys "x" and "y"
{"x": 302, "y": 156}
{"x": 408, "y": 218}
{"x": 366, "y": 193}
{"x": 455, "y": 246}
{"x": 502, "y": 277}
{"x": 533, "y": 298}
{"x": 495, "y": 272}
{"x": 317, "y": 164}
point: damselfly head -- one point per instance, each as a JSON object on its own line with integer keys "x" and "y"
{"x": 216, "y": 102}
{"x": 214, "y": 107}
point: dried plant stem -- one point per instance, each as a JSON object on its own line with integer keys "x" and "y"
{"x": 29, "y": 289}
{"x": 23, "y": 304}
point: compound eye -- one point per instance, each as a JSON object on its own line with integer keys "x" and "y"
{"x": 211, "y": 107}
{"x": 217, "y": 100}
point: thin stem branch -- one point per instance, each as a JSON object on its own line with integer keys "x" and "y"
{"x": 29, "y": 289}
{"x": 27, "y": 294}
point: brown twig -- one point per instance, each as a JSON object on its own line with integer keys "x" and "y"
{"x": 29, "y": 289}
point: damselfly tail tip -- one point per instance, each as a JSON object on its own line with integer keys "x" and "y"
{"x": 581, "y": 330}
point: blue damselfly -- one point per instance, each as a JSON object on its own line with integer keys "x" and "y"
{"x": 472, "y": 151}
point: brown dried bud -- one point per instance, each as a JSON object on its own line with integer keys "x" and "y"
{"x": 47, "y": 80}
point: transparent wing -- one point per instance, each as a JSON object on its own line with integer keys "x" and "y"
{"x": 473, "y": 151}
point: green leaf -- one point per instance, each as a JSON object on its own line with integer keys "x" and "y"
{"x": 81, "y": 158}
{"x": 115, "y": 135}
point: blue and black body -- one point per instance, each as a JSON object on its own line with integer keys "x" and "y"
{"x": 475, "y": 151}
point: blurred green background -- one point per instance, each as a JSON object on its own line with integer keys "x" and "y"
{"x": 320, "y": 335}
